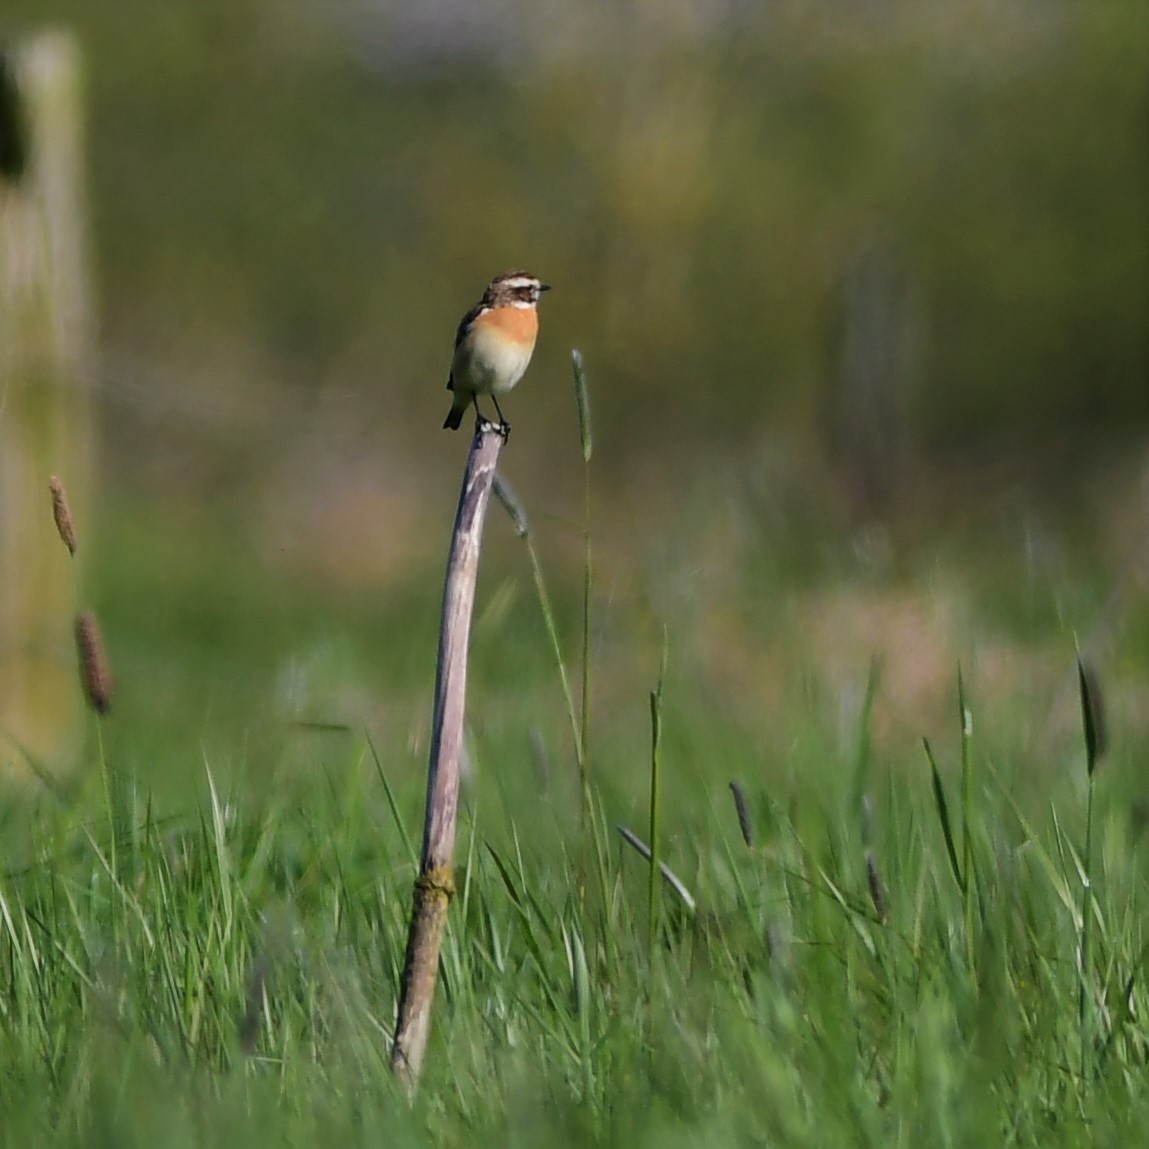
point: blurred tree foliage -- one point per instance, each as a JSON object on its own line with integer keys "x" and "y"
{"x": 294, "y": 196}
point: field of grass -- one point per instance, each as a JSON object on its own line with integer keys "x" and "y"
{"x": 201, "y": 935}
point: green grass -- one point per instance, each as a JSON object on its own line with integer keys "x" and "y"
{"x": 225, "y": 971}
{"x": 202, "y": 932}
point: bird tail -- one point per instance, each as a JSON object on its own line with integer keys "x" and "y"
{"x": 454, "y": 418}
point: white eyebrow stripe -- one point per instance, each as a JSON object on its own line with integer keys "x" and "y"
{"x": 519, "y": 281}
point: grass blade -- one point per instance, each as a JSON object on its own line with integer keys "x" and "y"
{"x": 670, "y": 877}
{"x": 944, "y": 816}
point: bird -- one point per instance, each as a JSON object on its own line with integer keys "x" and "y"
{"x": 493, "y": 344}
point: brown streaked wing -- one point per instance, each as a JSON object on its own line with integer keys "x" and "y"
{"x": 461, "y": 334}
{"x": 467, "y": 320}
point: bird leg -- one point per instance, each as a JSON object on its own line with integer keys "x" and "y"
{"x": 504, "y": 426}
{"x": 482, "y": 423}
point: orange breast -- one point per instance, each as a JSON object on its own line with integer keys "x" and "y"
{"x": 518, "y": 323}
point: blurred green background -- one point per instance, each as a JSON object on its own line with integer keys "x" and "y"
{"x": 863, "y": 291}
{"x": 294, "y": 203}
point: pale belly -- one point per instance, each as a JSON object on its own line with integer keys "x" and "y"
{"x": 490, "y": 364}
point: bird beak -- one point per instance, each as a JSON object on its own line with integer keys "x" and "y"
{"x": 544, "y": 287}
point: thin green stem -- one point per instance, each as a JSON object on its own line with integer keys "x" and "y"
{"x": 968, "y": 879}
{"x": 109, "y": 798}
{"x": 584, "y": 763}
{"x": 653, "y": 886}
{"x": 1084, "y": 998}
{"x": 655, "y": 853}
{"x": 556, "y": 649}
{"x": 1093, "y": 729}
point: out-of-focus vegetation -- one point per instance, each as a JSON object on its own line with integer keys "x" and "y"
{"x": 825, "y": 248}
{"x": 830, "y": 249}
{"x": 294, "y": 203}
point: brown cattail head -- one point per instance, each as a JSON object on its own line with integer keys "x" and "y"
{"x": 62, "y": 513}
{"x": 95, "y": 675}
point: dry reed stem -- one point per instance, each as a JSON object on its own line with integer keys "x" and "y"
{"x": 435, "y": 884}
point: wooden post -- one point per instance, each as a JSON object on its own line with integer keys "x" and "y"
{"x": 435, "y": 883}
{"x": 45, "y": 347}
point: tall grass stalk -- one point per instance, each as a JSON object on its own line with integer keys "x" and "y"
{"x": 1094, "y": 735}
{"x": 109, "y": 800}
{"x": 965, "y": 717}
{"x": 592, "y": 833}
{"x": 964, "y": 869}
{"x": 863, "y": 749}
{"x": 591, "y": 829}
{"x": 579, "y": 717}
{"x": 582, "y": 403}
{"x": 514, "y": 508}
{"x": 655, "y": 804}
{"x": 96, "y": 680}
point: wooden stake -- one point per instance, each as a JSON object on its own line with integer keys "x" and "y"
{"x": 435, "y": 884}
{"x": 45, "y": 417}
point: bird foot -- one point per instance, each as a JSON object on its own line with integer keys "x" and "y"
{"x": 502, "y": 428}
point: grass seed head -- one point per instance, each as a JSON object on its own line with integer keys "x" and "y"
{"x": 62, "y": 513}
{"x": 95, "y": 674}
{"x": 582, "y": 400}
{"x": 512, "y": 506}
{"x": 1092, "y": 715}
{"x": 877, "y": 890}
{"x": 743, "y": 812}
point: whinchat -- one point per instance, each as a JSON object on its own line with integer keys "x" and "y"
{"x": 494, "y": 344}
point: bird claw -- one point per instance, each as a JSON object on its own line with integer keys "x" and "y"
{"x": 483, "y": 426}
